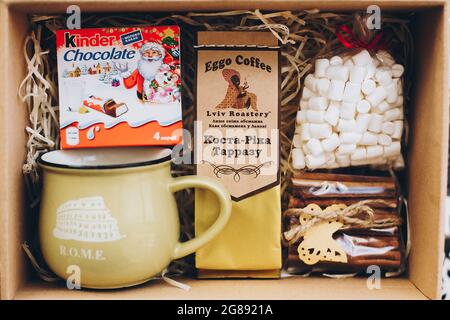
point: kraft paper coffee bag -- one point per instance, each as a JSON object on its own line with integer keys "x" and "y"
{"x": 237, "y": 144}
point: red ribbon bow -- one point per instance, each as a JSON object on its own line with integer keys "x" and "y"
{"x": 350, "y": 40}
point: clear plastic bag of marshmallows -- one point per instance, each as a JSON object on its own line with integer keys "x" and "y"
{"x": 352, "y": 108}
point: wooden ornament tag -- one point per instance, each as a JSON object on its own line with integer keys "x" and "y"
{"x": 318, "y": 243}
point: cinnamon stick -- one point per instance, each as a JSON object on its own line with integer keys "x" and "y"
{"x": 373, "y": 232}
{"x": 335, "y": 185}
{"x": 295, "y": 264}
{"x": 304, "y": 175}
{"x": 306, "y": 191}
{"x": 380, "y": 243}
{"x": 298, "y": 202}
{"x": 361, "y": 252}
{"x": 387, "y": 254}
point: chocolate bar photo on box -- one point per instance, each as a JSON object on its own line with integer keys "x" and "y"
{"x": 114, "y": 109}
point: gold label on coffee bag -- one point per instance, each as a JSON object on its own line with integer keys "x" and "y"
{"x": 237, "y": 137}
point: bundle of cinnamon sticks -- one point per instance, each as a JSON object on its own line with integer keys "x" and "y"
{"x": 363, "y": 246}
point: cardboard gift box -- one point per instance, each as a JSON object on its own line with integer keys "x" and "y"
{"x": 427, "y": 159}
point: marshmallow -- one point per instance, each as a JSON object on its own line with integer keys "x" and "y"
{"x": 348, "y": 110}
{"x": 318, "y": 103}
{"x": 368, "y": 86}
{"x": 399, "y": 163}
{"x": 383, "y": 77}
{"x": 320, "y": 131}
{"x": 315, "y": 147}
{"x": 331, "y": 143}
{"x": 385, "y": 58}
{"x": 371, "y": 69}
{"x": 298, "y": 159}
{"x": 305, "y": 149}
{"x": 359, "y": 154}
{"x": 336, "y": 61}
{"x": 363, "y": 106}
{"x": 382, "y": 107}
{"x": 358, "y": 74}
{"x": 378, "y": 95}
{"x": 348, "y": 63}
{"x": 297, "y": 141}
{"x": 362, "y": 58}
{"x": 321, "y": 67}
{"x": 304, "y": 104}
{"x": 350, "y": 137}
{"x": 393, "y": 149}
{"x": 315, "y": 116}
{"x": 397, "y": 70}
{"x": 332, "y": 113}
{"x": 346, "y": 149}
{"x": 331, "y": 165}
{"x": 392, "y": 92}
{"x": 301, "y": 116}
{"x": 330, "y": 157}
{"x": 311, "y": 82}
{"x": 337, "y": 73}
{"x": 393, "y": 114}
{"x": 313, "y": 162}
{"x": 375, "y": 123}
{"x": 323, "y": 85}
{"x": 397, "y": 134}
{"x": 362, "y": 122}
{"x": 336, "y": 90}
{"x": 304, "y": 131}
{"x": 343, "y": 160}
{"x": 374, "y": 151}
{"x": 346, "y": 57}
{"x": 346, "y": 125}
{"x": 399, "y": 83}
{"x": 369, "y": 139}
{"x": 307, "y": 93}
{"x": 384, "y": 139}
{"x": 362, "y": 162}
{"x": 398, "y": 102}
{"x": 388, "y": 128}
{"x": 385, "y": 68}
{"x": 331, "y": 161}
{"x": 351, "y": 92}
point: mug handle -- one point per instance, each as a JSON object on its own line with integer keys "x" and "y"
{"x": 190, "y": 246}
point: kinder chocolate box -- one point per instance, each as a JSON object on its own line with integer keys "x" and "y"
{"x": 119, "y": 86}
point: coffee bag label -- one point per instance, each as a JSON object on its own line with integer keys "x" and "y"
{"x": 237, "y": 136}
{"x": 119, "y": 86}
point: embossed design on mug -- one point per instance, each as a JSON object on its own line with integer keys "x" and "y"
{"x": 87, "y": 220}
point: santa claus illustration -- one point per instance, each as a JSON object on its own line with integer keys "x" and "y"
{"x": 152, "y": 58}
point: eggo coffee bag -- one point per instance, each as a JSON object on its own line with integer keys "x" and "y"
{"x": 237, "y": 144}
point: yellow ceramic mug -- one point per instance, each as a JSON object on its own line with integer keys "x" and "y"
{"x": 111, "y": 214}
